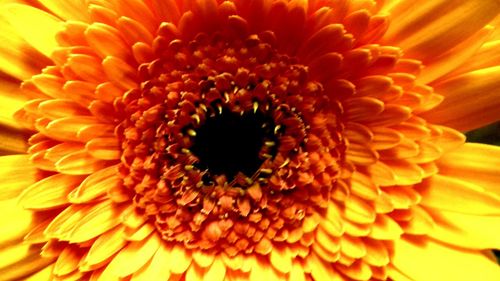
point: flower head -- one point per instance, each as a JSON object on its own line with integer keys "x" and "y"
{"x": 248, "y": 140}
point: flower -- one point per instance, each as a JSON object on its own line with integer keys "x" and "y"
{"x": 248, "y": 140}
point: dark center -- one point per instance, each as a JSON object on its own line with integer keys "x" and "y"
{"x": 229, "y": 143}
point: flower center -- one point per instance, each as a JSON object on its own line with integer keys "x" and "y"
{"x": 230, "y": 143}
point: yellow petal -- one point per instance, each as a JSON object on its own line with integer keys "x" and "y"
{"x": 475, "y": 163}
{"x": 216, "y": 272}
{"x": 281, "y": 259}
{"x": 95, "y": 185}
{"x": 358, "y": 270}
{"x": 426, "y": 29}
{"x": 194, "y": 273}
{"x": 51, "y": 192}
{"x": 363, "y": 187}
{"x": 471, "y": 100}
{"x": 352, "y": 247}
{"x": 62, "y": 225}
{"x": 377, "y": 253}
{"x": 203, "y": 258}
{"x": 104, "y": 247}
{"x": 21, "y": 261}
{"x": 321, "y": 270}
{"x": 68, "y": 260}
{"x": 138, "y": 234}
{"x": 446, "y": 193}
{"x": 99, "y": 219}
{"x": 17, "y": 57}
{"x": 11, "y": 100}
{"x": 262, "y": 270}
{"x": 37, "y": 27}
{"x": 44, "y": 274}
{"x": 17, "y": 172}
{"x": 385, "y": 228}
{"x": 439, "y": 262}
{"x": 14, "y": 226}
{"x": 131, "y": 258}
{"x": 68, "y": 10}
{"x": 297, "y": 272}
{"x": 182, "y": 259}
{"x": 156, "y": 269}
{"x": 464, "y": 230}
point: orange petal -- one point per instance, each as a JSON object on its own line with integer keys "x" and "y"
{"x": 166, "y": 9}
{"x": 86, "y": 67}
{"x": 119, "y": 72}
{"x": 134, "y": 31}
{"x": 104, "y": 148}
{"x": 361, "y": 154}
{"x": 106, "y": 41}
{"x": 58, "y": 108}
{"x": 80, "y": 163}
{"x": 137, "y": 10}
{"x": 439, "y": 262}
{"x": 455, "y": 57}
{"x": 419, "y": 27}
{"x": 362, "y": 109}
{"x": 471, "y": 100}
{"x": 66, "y": 129}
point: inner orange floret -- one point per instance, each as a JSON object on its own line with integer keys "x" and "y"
{"x": 226, "y": 86}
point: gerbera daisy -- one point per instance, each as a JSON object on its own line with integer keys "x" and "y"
{"x": 248, "y": 140}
